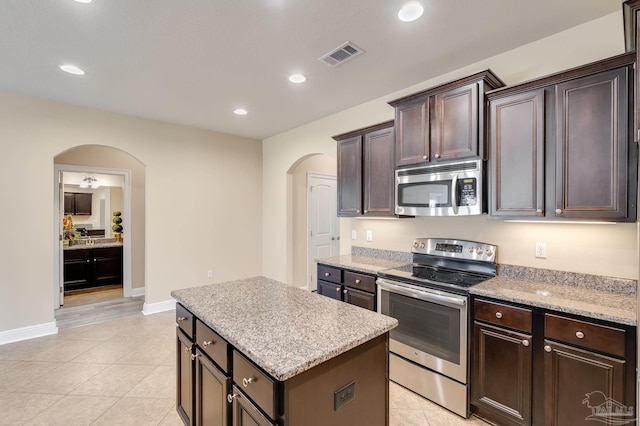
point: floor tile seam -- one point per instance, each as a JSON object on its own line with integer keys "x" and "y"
{"x": 116, "y": 399}
{"x": 45, "y": 408}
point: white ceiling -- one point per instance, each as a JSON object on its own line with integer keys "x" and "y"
{"x": 73, "y": 178}
{"x": 193, "y": 61}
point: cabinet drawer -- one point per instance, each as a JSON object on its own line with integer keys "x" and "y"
{"x": 213, "y": 345}
{"x": 504, "y": 315}
{"x": 587, "y": 335}
{"x": 328, "y": 273}
{"x": 261, "y": 388}
{"x": 360, "y": 281}
{"x": 184, "y": 319}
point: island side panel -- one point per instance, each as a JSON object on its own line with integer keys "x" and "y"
{"x": 309, "y": 396}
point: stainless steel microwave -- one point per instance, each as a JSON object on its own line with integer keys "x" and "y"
{"x": 451, "y": 189}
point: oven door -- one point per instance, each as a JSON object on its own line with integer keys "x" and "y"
{"x": 432, "y": 326}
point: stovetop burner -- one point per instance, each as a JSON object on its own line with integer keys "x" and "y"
{"x": 451, "y": 265}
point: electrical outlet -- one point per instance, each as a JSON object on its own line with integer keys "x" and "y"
{"x": 369, "y": 235}
{"x": 344, "y": 395}
{"x": 209, "y": 274}
{"x": 541, "y": 250}
{"x": 354, "y": 234}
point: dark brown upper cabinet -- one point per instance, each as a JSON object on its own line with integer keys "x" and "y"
{"x": 443, "y": 123}
{"x": 630, "y": 10}
{"x": 77, "y": 203}
{"x": 365, "y": 171}
{"x": 561, "y": 147}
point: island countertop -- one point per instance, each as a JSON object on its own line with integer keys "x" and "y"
{"x": 283, "y": 329}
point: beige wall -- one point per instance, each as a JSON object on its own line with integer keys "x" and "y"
{"x": 322, "y": 164}
{"x": 196, "y": 217}
{"x": 104, "y": 157}
{"x": 598, "y": 249}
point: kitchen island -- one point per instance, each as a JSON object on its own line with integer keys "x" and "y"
{"x": 279, "y": 355}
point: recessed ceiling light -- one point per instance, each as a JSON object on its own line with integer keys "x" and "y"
{"x": 84, "y": 1}
{"x": 71, "y": 69}
{"x": 297, "y": 78}
{"x": 410, "y": 12}
{"x": 240, "y": 111}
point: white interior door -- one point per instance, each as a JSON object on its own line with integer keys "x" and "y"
{"x": 323, "y": 222}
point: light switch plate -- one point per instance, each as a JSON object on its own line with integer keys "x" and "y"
{"x": 369, "y": 235}
{"x": 541, "y": 250}
{"x": 354, "y": 234}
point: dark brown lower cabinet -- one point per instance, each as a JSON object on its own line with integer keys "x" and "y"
{"x": 245, "y": 413}
{"x": 184, "y": 378}
{"x": 502, "y": 374}
{"x": 355, "y": 288}
{"x": 536, "y": 367}
{"x": 211, "y": 389}
{"x": 576, "y": 380}
{"x": 92, "y": 267}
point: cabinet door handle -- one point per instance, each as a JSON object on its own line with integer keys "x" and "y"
{"x": 179, "y": 318}
{"x": 357, "y": 281}
{"x": 558, "y": 211}
{"x": 88, "y": 261}
{"x": 424, "y": 157}
{"x": 231, "y": 397}
{"x": 547, "y": 348}
{"x": 538, "y": 211}
{"x": 344, "y": 291}
{"x": 187, "y": 349}
{"x": 338, "y": 289}
{"x": 579, "y": 334}
{"x": 194, "y": 356}
{"x": 525, "y": 343}
{"x": 437, "y": 156}
{"x": 498, "y": 315}
{"x": 333, "y": 238}
{"x": 207, "y": 343}
{"x": 246, "y": 382}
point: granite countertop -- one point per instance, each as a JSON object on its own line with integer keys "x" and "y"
{"x": 589, "y": 302}
{"x": 366, "y": 264}
{"x": 283, "y": 329}
{"x": 90, "y": 246}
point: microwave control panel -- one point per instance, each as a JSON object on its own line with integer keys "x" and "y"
{"x": 468, "y": 192}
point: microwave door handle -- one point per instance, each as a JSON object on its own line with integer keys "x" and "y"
{"x": 454, "y": 194}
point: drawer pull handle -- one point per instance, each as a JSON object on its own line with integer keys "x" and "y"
{"x": 230, "y": 397}
{"x": 326, "y": 274}
{"x": 498, "y": 315}
{"x": 194, "y": 356}
{"x": 181, "y": 319}
{"x": 246, "y": 382}
{"x": 547, "y": 348}
{"x": 207, "y": 343}
{"x": 357, "y": 281}
{"x": 525, "y": 343}
{"x": 579, "y": 334}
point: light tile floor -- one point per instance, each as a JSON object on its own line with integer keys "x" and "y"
{"x": 122, "y": 372}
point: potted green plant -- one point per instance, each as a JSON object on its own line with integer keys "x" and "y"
{"x": 117, "y": 227}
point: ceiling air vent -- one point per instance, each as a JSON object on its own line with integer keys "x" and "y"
{"x": 341, "y": 54}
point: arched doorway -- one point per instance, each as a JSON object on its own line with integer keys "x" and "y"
{"x": 109, "y": 164}
{"x": 299, "y": 270}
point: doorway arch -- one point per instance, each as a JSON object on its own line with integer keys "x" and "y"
{"x": 100, "y": 159}
{"x": 297, "y": 213}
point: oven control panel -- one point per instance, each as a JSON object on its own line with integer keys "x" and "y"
{"x": 459, "y": 249}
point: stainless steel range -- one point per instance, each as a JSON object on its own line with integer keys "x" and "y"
{"x": 430, "y": 299}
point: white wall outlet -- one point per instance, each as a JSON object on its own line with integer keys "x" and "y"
{"x": 209, "y": 274}
{"x": 369, "y": 235}
{"x": 354, "y": 234}
{"x": 541, "y": 250}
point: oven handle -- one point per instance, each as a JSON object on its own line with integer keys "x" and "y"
{"x": 454, "y": 194}
{"x": 421, "y": 294}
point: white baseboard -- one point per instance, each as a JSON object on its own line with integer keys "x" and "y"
{"x": 154, "y": 308}
{"x": 135, "y": 292}
{"x": 24, "y": 333}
